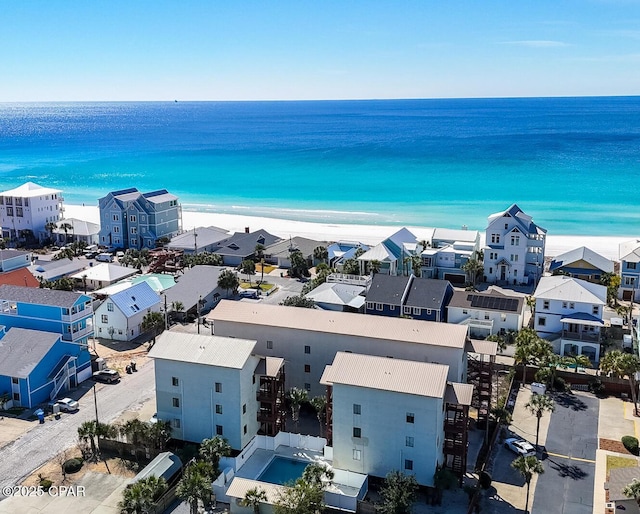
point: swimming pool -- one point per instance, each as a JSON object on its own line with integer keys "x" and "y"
{"x": 282, "y": 470}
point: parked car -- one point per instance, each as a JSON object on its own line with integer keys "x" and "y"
{"x": 120, "y": 254}
{"x": 520, "y": 447}
{"x": 90, "y": 255}
{"x": 154, "y": 418}
{"x": 249, "y": 294}
{"x": 104, "y": 257}
{"x": 106, "y": 375}
{"x": 68, "y": 405}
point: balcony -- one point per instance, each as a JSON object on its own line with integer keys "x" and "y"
{"x": 71, "y": 318}
{"x": 590, "y": 337}
{"x": 77, "y": 334}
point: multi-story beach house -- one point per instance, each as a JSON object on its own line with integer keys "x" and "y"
{"x": 569, "y": 314}
{"x": 392, "y": 255}
{"x": 582, "y": 263}
{"x": 208, "y": 385}
{"x": 446, "y": 253}
{"x": 629, "y": 254}
{"x": 27, "y": 210}
{"x": 514, "y": 252}
{"x": 130, "y": 219}
{"x": 389, "y": 414}
{"x": 308, "y": 339}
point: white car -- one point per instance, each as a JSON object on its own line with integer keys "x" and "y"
{"x": 68, "y": 405}
{"x": 520, "y": 447}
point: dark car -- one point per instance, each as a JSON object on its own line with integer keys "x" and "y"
{"x": 106, "y": 375}
{"x": 249, "y": 294}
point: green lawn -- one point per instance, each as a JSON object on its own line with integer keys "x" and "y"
{"x": 614, "y": 462}
{"x": 253, "y": 285}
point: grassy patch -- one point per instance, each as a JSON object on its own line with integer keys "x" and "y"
{"x": 267, "y": 268}
{"x": 254, "y": 285}
{"x": 614, "y": 462}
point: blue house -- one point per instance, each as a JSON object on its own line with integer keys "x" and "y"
{"x": 65, "y": 313}
{"x": 630, "y": 270}
{"x": 130, "y": 219}
{"x": 417, "y": 298}
{"x": 35, "y": 366}
{"x": 582, "y": 263}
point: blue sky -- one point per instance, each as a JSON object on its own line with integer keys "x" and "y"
{"x": 253, "y": 50}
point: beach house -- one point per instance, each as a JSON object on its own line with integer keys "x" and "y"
{"x": 392, "y": 256}
{"x": 582, "y": 263}
{"x": 26, "y": 211}
{"x": 447, "y": 251}
{"x": 514, "y": 251}
{"x": 279, "y": 253}
{"x": 629, "y": 254}
{"x": 198, "y": 240}
{"x": 569, "y": 314}
{"x": 390, "y": 414}
{"x": 333, "y": 296}
{"x": 76, "y": 230}
{"x": 120, "y": 316}
{"x": 340, "y": 251}
{"x": 14, "y": 259}
{"x": 308, "y": 339}
{"x": 130, "y": 219}
{"x": 242, "y": 245}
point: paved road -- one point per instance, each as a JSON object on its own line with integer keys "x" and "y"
{"x": 20, "y": 458}
{"x": 566, "y": 486}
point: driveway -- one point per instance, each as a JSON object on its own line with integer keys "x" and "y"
{"x": 566, "y": 486}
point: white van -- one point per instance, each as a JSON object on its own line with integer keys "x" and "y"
{"x": 104, "y": 257}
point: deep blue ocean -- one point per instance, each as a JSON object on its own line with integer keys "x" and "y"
{"x": 571, "y": 163}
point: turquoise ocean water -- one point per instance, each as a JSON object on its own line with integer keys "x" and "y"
{"x": 572, "y": 163}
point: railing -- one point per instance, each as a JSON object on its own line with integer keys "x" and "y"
{"x": 342, "y": 278}
{"x": 70, "y": 318}
{"x": 60, "y": 379}
{"x": 480, "y": 323}
{"x": 581, "y": 336}
{"x": 77, "y": 334}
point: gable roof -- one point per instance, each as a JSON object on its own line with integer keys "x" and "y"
{"x": 79, "y": 227}
{"x": 197, "y": 281}
{"x": 136, "y": 298}
{"x": 159, "y": 196}
{"x": 225, "y": 352}
{"x": 205, "y": 236}
{"x": 523, "y": 220}
{"x": 427, "y": 293}
{"x": 21, "y": 350}
{"x": 41, "y": 296}
{"x": 395, "y": 243}
{"x": 243, "y": 244}
{"x": 283, "y": 248}
{"x": 105, "y": 272}
{"x": 378, "y": 253}
{"x": 344, "y": 323}
{"x": 456, "y": 235}
{"x": 396, "y": 375}
{"x": 338, "y": 294}
{"x": 582, "y": 254}
{"x": 19, "y": 277}
{"x": 388, "y": 289}
{"x": 50, "y": 270}
{"x": 30, "y": 190}
{"x": 629, "y": 251}
{"x": 487, "y": 301}
{"x": 561, "y": 287}
{"x": 11, "y": 254}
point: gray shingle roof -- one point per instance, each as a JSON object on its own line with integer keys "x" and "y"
{"x": 427, "y": 293}
{"x": 10, "y": 254}
{"x": 21, "y": 350}
{"x": 39, "y": 296}
{"x": 244, "y": 244}
{"x": 197, "y": 281}
{"x": 387, "y": 289}
{"x": 206, "y": 236}
{"x": 283, "y": 248}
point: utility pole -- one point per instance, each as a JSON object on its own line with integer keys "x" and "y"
{"x": 199, "y": 307}
{"x": 95, "y": 402}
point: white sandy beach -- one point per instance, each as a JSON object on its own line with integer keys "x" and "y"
{"x": 369, "y": 234}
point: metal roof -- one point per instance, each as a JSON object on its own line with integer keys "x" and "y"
{"x": 337, "y": 294}
{"x": 41, "y": 296}
{"x": 582, "y": 254}
{"x": 629, "y": 251}
{"x": 459, "y": 394}
{"x": 387, "y": 374}
{"x": 21, "y": 350}
{"x": 204, "y": 237}
{"x": 10, "y": 254}
{"x": 165, "y": 465}
{"x": 226, "y": 352}
{"x": 582, "y": 318}
{"x": 345, "y": 323}
{"x": 78, "y": 227}
{"x": 136, "y": 298}
{"x": 30, "y": 190}
{"x": 560, "y": 287}
{"x": 269, "y": 366}
{"x": 239, "y": 487}
{"x": 105, "y": 272}
{"x": 482, "y": 347}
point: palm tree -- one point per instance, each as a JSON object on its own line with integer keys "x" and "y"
{"x": 632, "y": 490}
{"x": 177, "y": 306}
{"x": 315, "y": 474}
{"x": 136, "y": 432}
{"x": 320, "y": 253}
{"x": 248, "y": 268}
{"x": 50, "y": 227}
{"x": 530, "y": 349}
{"x": 472, "y": 268}
{"x": 153, "y": 322}
{"x": 253, "y": 498}
{"x": 538, "y": 404}
{"x": 623, "y": 364}
{"x": 194, "y": 486}
{"x": 212, "y": 449}
{"x": 87, "y": 432}
{"x": 531, "y": 303}
{"x": 527, "y": 466}
{"x": 577, "y": 360}
{"x": 297, "y": 397}
{"x": 258, "y": 253}
{"x": 66, "y": 227}
{"x": 319, "y": 403}
{"x": 374, "y": 266}
{"x": 228, "y": 281}
{"x": 159, "y": 434}
{"x": 136, "y": 499}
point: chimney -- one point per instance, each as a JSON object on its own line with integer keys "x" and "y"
{"x": 246, "y": 230}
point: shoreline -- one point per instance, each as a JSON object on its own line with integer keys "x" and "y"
{"x": 557, "y": 244}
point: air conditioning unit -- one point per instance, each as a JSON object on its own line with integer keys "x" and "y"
{"x": 609, "y": 508}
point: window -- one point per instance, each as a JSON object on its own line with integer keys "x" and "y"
{"x": 269, "y": 345}
{"x": 19, "y": 212}
{"x": 495, "y": 238}
{"x": 218, "y": 387}
{"x": 116, "y": 217}
{"x": 408, "y": 464}
{"x": 134, "y": 230}
{"x": 244, "y": 429}
{"x": 515, "y": 271}
{"x": 542, "y": 321}
{"x": 370, "y": 306}
{"x": 486, "y": 316}
{"x": 572, "y": 305}
{"x": 490, "y": 270}
{"x": 514, "y": 257}
{"x": 545, "y": 304}
{"x": 134, "y": 241}
{"x": 407, "y": 310}
{"x": 357, "y": 408}
{"x": 132, "y": 218}
{"x": 506, "y": 226}
{"x": 465, "y": 311}
{"x": 595, "y": 310}
{"x": 629, "y": 281}
{"x": 410, "y": 417}
{"x": 16, "y": 397}
{"x": 307, "y": 386}
{"x": 15, "y": 380}
{"x": 176, "y": 402}
{"x": 408, "y": 441}
{"x": 116, "y": 230}
{"x": 564, "y": 305}
{"x": 357, "y": 432}
{"x": 9, "y": 211}
{"x": 357, "y": 454}
{"x": 219, "y": 430}
{"x": 110, "y": 307}
{"x": 244, "y": 408}
{"x": 105, "y": 318}
{"x": 307, "y": 368}
{"x": 416, "y": 311}
{"x": 307, "y": 349}
{"x": 515, "y": 240}
{"x": 218, "y": 408}
{"x": 503, "y": 317}
{"x": 175, "y": 381}
{"x": 631, "y": 265}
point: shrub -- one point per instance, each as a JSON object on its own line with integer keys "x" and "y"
{"x": 559, "y": 384}
{"x": 631, "y": 444}
{"x": 485, "y": 480}
{"x": 596, "y": 386}
{"x": 72, "y": 465}
{"x": 46, "y": 484}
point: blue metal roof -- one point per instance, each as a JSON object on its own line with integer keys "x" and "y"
{"x": 135, "y": 299}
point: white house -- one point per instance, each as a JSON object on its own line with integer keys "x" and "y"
{"x": 486, "y": 313}
{"x": 569, "y": 314}
{"x": 629, "y": 253}
{"x": 102, "y": 275}
{"x": 308, "y": 339}
{"x": 388, "y": 414}
{"x": 120, "y": 316}
{"x": 205, "y": 386}
{"x": 514, "y": 252}
{"x": 76, "y": 231}
{"x": 29, "y": 207}
{"x": 332, "y": 296}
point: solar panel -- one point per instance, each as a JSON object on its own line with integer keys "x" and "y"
{"x": 493, "y": 302}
